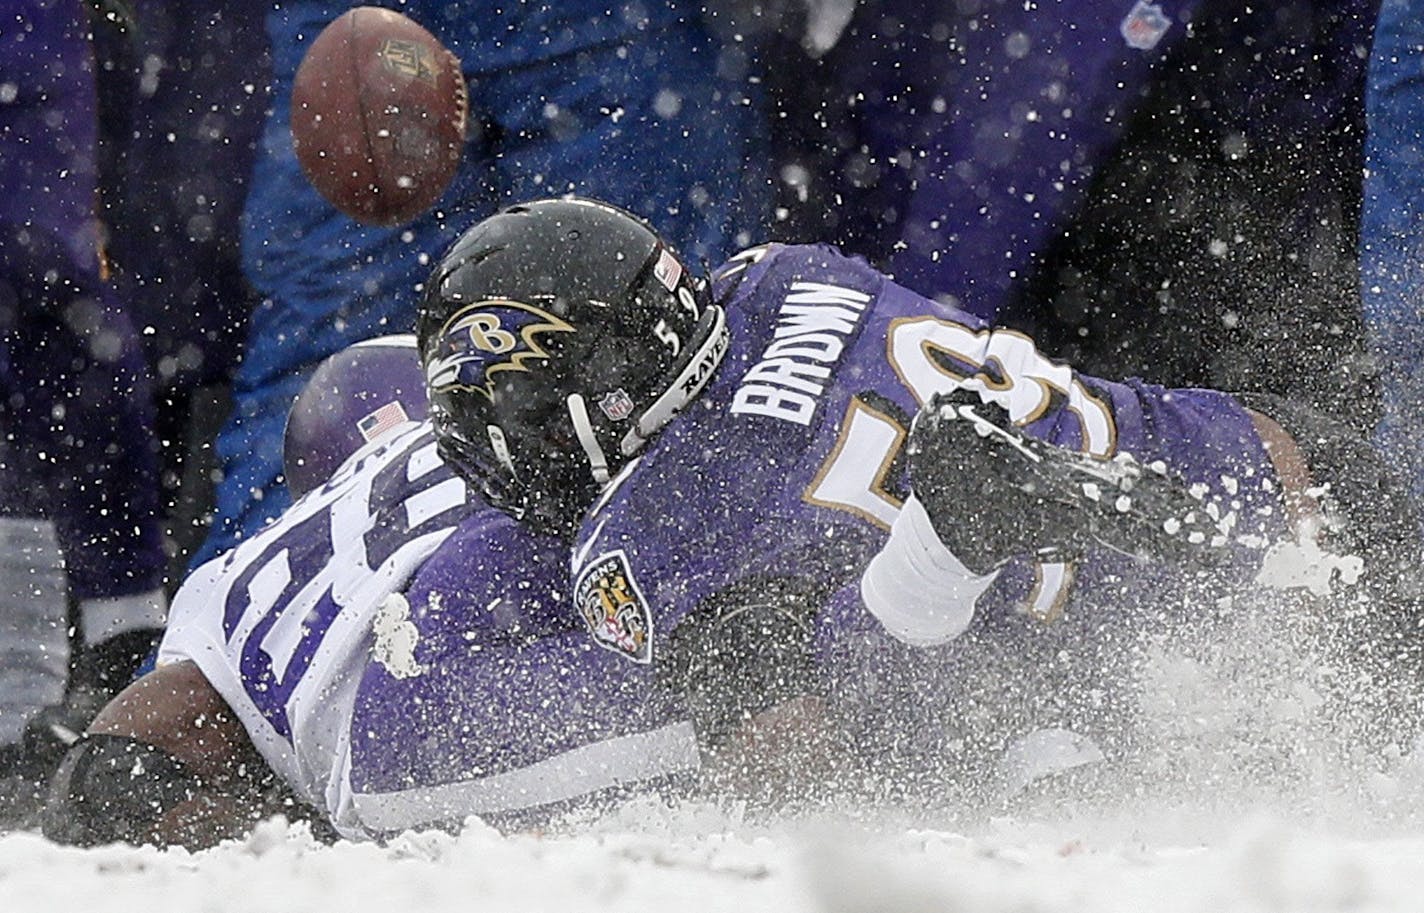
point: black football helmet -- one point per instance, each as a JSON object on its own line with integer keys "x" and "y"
{"x": 558, "y": 337}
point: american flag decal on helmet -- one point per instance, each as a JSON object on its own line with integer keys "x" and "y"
{"x": 381, "y": 421}
{"x": 667, "y": 270}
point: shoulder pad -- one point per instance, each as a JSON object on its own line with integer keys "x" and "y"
{"x": 728, "y": 276}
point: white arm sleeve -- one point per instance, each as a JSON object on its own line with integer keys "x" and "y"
{"x": 916, "y": 587}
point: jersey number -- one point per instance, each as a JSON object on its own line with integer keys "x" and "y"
{"x": 287, "y": 599}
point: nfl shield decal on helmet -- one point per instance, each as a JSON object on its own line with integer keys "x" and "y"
{"x": 614, "y": 608}
{"x": 617, "y": 405}
{"x": 484, "y": 338}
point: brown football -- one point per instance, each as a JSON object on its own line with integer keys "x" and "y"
{"x": 378, "y": 116}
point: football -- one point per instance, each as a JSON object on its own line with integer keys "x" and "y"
{"x": 378, "y": 116}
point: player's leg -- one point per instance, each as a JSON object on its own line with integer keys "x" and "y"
{"x": 182, "y": 95}
{"x": 1360, "y": 505}
{"x": 32, "y": 588}
{"x": 325, "y": 281}
{"x": 1361, "y": 494}
{"x": 166, "y": 763}
{"x": 81, "y": 471}
{"x": 75, "y": 411}
{"x": 1391, "y": 265}
{"x": 107, "y": 511}
{"x": 34, "y": 651}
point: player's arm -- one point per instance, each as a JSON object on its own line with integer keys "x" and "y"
{"x": 1341, "y": 490}
{"x": 743, "y": 663}
{"x": 166, "y": 763}
{"x": 994, "y": 491}
{"x": 1291, "y": 471}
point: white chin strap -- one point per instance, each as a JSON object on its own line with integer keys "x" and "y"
{"x": 597, "y": 461}
{"x": 500, "y": 447}
{"x": 694, "y": 376}
{"x": 689, "y": 383}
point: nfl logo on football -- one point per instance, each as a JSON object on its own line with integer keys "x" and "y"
{"x": 1144, "y": 25}
{"x": 407, "y": 58}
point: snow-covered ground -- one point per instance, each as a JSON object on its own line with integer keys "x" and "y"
{"x": 646, "y": 857}
{"x": 1250, "y": 802}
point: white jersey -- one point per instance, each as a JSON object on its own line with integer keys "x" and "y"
{"x": 282, "y": 625}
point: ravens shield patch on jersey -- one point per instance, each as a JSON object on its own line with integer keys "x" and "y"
{"x": 614, "y": 608}
{"x": 484, "y": 338}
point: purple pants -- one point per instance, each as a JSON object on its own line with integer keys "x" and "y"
{"x": 76, "y": 413}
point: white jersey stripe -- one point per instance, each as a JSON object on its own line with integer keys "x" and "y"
{"x": 581, "y": 771}
{"x": 424, "y": 460}
{"x": 433, "y": 501}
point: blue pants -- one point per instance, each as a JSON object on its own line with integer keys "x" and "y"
{"x": 1392, "y": 229}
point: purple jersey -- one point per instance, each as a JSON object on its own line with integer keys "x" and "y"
{"x": 790, "y": 462}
